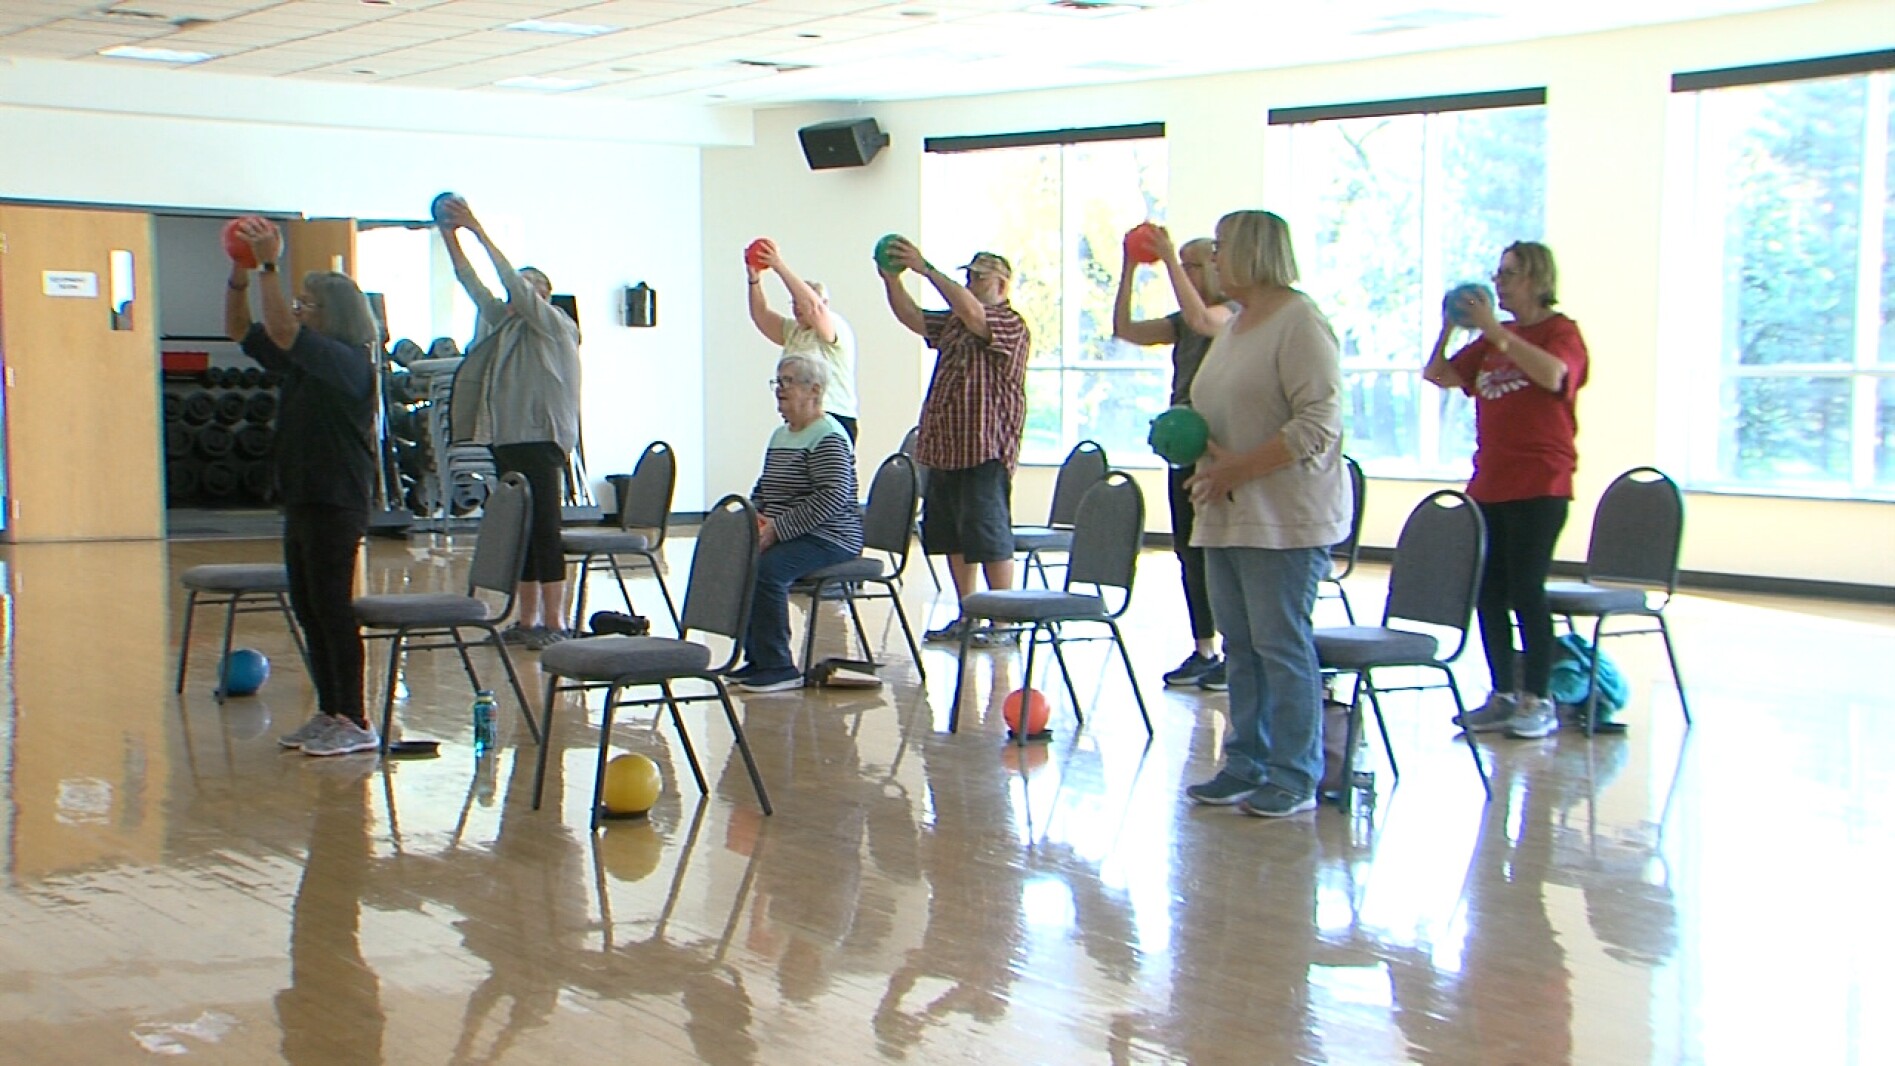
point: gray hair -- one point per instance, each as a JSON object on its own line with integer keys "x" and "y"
{"x": 805, "y": 370}
{"x": 1256, "y": 247}
{"x": 342, "y": 311}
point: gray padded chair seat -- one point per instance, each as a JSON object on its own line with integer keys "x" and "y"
{"x": 1041, "y": 538}
{"x": 1578, "y": 597}
{"x": 602, "y": 541}
{"x": 1351, "y": 647}
{"x": 237, "y": 577}
{"x": 435, "y": 609}
{"x": 626, "y": 659}
{"x": 851, "y": 570}
{"x": 1031, "y": 605}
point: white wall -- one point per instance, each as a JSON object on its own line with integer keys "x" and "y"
{"x": 1607, "y": 99}
{"x": 590, "y": 204}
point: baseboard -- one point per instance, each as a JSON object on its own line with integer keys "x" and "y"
{"x": 1703, "y": 580}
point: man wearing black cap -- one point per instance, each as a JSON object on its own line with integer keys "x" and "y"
{"x": 973, "y": 416}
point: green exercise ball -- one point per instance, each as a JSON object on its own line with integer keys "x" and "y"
{"x": 1179, "y": 436}
{"x": 883, "y": 258}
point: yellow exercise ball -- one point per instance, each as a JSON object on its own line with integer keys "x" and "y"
{"x": 631, "y": 850}
{"x": 632, "y": 784}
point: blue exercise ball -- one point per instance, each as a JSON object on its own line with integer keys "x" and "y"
{"x": 1451, "y": 303}
{"x": 435, "y": 209}
{"x": 244, "y": 672}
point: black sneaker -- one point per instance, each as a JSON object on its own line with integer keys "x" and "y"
{"x": 518, "y": 635}
{"x": 1193, "y": 668}
{"x": 1213, "y": 679}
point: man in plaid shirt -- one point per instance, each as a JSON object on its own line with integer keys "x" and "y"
{"x": 973, "y": 417}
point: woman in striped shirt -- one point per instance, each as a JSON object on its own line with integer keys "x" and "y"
{"x": 807, "y": 514}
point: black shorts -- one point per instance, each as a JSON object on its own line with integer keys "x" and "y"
{"x": 969, "y": 513}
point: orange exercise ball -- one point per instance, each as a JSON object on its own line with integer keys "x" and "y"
{"x": 1037, "y": 711}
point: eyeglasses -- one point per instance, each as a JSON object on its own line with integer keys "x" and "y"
{"x": 783, "y": 383}
{"x": 303, "y": 305}
{"x": 1509, "y": 273}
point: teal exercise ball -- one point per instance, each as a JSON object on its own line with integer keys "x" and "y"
{"x": 1451, "y": 303}
{"x": 1179, "y": 436}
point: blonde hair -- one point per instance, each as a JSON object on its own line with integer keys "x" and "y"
{"x": 1255, "y": 249}
{"x": 1536, "y": 260}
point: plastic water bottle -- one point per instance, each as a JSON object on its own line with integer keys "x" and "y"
{"x": 483, "y": 720}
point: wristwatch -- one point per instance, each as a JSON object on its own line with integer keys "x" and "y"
{"x": 267, "y": 268}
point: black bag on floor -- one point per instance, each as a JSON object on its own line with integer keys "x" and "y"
{"x": 616, "y": 623}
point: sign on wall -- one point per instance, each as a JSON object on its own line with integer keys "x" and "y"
{"x": 79, "y": 284}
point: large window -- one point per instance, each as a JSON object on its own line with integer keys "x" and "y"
{"x": 1057, "y": 208}
{"x": 1783, "y": 296}
{"x": 1391, "y": 205}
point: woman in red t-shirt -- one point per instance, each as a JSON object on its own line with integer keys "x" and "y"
{"x": 1524, "y": 375}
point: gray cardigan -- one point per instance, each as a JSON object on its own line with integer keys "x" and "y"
{"x": 520, "y": 381}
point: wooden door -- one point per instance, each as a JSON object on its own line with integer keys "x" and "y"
{"x": 82, "y": 408}
{"x": 319, "y": 244}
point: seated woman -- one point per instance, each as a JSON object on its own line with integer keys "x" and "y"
{"x": 808, "y": 514}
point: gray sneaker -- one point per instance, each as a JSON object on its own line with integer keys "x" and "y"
{"x": 544, "y": 637}
{"x": 1220, "y": 791}
{"x": 343, "y": 738}
{"x": 1492, "y": 716}
{"x": 317, "y": 725}
{"x": 1536, "y": 718}
{"x": 1273, "y": 801}
{"x": 518, "y": 635}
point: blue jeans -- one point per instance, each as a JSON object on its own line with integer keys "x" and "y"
{"x": 1262, "y": 599}
{"x": 767, "y": 644}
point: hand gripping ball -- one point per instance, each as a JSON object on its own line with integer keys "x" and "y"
{"x": 1451, "y": 303}
{"x": 884, "y": 256}
{"x": 753, "y": 253}
{"x": 1179, "y": 435}
{"x": 436, "y": 209}
{"x": 236, "y": 247}
{"x": 1141, "y": 243}
{"x": 632, "y": 784}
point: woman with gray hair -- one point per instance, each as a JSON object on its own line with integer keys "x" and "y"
{"x": 807, "y": 515}
{"x": 1271, "y": 496}
{"x": 325, "y": 468}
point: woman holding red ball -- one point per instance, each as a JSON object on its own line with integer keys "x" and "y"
{"x": 320, "y": 347}
{"x": 812, "y": 328}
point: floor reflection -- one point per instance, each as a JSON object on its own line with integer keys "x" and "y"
{"x": 919, "y": 896}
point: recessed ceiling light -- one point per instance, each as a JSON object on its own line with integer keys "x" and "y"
{"x": 563, "y": 29}
{"x": 548, "y": 85}
{"x": 1089, "y": 8}
{"x": 810, "y": 36}
{"x": 363, "y": 70}
{"x": 917, "y": 14}
{"x": 772, "y": 64}
{"x": 155, "y": 55}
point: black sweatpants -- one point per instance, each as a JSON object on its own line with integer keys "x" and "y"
{"x": 1197, "y": 595}
{"x": 1520, "y": 539}
{"x": 319, "y": 550}
{"x": 543, "y": 464}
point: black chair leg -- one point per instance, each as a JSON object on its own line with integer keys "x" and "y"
{"x": 743, "y": 746}
{"x": 519, "y": 692}
{"x": 1131, "y": 678}
{"x": 1059, "y": 656}
{"x": 230, "y": 627}
{"x": 960, "y": 675}
{"x": 907, "y": 631}
{"x": 546, "y": 741}
{"x": 1473, "y": 749}
{"x": 296, "y": 632}
{"x": 1677, "y": 678}
{"x": 605, "y": 749}
{"x": 184, "y": 646}
{"x": 684, "y": 738}
{"x": 388, "y": 693}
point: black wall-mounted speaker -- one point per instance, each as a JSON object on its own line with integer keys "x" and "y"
{"x": 851, "y": 142}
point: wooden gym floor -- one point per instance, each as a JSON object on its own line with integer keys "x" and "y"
{"x": 178, "y": 888}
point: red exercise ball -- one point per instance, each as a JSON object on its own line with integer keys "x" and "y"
{"x": 234, "y": 246}
{"x": 1141, "y": 243}
{"x": 753, "y": 255}
{"x": 1037, "y": 711}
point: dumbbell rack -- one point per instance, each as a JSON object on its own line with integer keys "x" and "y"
{"x": 219, "y": 431}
